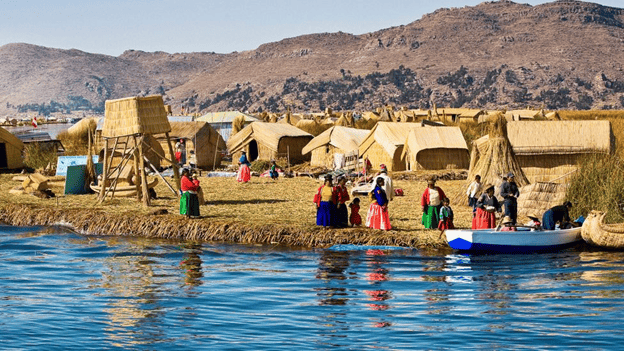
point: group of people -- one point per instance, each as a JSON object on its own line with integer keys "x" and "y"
{"x": 331, "y": 205}
{"x": 487, "y": 205}
{"x": 244, "y": 169}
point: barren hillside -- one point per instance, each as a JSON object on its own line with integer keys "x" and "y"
{"x": 564, "y": 54}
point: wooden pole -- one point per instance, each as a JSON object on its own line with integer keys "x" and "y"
{"x": 137, "y": 173}
{"x": 176, "y": 171}
{"x": 160, "y": 175}
{"x": 104, "y": 171}
{"x": 113, "y": 184}
{"x": 146, "y": 197}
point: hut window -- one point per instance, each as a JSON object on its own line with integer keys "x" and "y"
{"x": 327, "y": 149}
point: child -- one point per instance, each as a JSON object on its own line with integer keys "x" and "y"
{"x": 355, "y": 218}
{"x": 446, "y": 216}
{"x": 273, "y": 172}
{"x": 473, "y": 192}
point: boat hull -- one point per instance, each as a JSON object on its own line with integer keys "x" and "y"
{"x": 523, "y": 240}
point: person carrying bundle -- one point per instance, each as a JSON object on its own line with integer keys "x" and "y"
{"x": 558, "y": 214}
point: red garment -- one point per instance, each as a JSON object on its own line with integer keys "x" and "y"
{"x": 187, "y": 184}
{"x": 244, "y": 173}
{"x": 355, "y": 217}
{"x": 378, "y": 217}
{"x": 342, "y": 194}
{"x": 178, "y": 156}
{"x": 446, "y": 224}
{"x": 425, "y": 197}
{"x": 483, "y": 219}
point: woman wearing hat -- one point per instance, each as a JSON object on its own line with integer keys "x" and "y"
{"x": 377, "y": 216}
{"x": 244, "y": 172}
{"x": 487, "y": 205}
{"x": 431, "y": 202}
{"x": 558, "y": 214}
{"x": 325, "y": 201}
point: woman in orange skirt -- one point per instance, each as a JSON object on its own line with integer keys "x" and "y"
{"x": 377, "y": 216}
{"x": 244, "y": 172}
{"x": 486, "y": 206}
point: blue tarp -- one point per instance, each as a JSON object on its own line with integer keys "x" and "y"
{"x": 352, "y": 247}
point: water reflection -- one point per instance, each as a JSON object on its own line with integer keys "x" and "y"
{"x": 192, "y": 264}
{"x": 331, "y": 270}
{"x": 134, "y": 297}
{"x": 377, "y": 276}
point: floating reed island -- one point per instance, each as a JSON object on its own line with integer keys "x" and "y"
{"x": 259, "y": 212}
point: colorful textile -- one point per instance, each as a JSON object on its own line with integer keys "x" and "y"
{"x": 189, "y": 204}
{"x": 244, "y": 173}
{"x": 424, "y": 200}
{"x": 178, "y": 156}
{"x": 483, "y": 219}
{"x": 342, "y": 194}
{"x": 188, "y": 184}
{"x": 273, "y": 172}
{"x": 431, "y": 217}
{"x": 379, "y": 196}
{"x": 378, "y": 217}
{"x": 355, "y": 217}
{"x": 324, "y": 214}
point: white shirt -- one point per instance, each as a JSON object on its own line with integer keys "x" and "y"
{"x": 473, "y": 189}
{"x": 434, "y": 197}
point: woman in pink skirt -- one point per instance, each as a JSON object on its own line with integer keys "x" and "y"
{"x": 377, "y": 216}
{"x": 244, "y": 173}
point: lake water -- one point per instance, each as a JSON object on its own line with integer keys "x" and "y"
{"x": 64, "y": 291}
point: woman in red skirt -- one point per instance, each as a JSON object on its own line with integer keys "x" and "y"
{"x": 486, "y": 206}
{"x": 377, "y": 216}
{"x": 244, "y": 173}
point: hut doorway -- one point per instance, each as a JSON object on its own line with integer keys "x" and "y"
{"x": 253, "y": 151}
{"x": 3, "y": 156}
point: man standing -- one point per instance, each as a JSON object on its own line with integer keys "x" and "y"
{"x": 509, "y": 191}
{"x": 473, "y": 192}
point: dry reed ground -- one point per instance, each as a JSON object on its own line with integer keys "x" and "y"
{"x": 261, "y": 211}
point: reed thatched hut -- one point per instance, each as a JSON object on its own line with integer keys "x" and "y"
{"x": 458, "y": 115}
{"x": 549, "y": 150}
{"x": 267, "y": 141}
{"x": 436, "y": 148}
{"x": 336, "y": 140}
{"x": 10, "y": 150}
{"x": 384, "y": 144}
{"x": 199, "y": 137}
{"x": 523, "y": 115}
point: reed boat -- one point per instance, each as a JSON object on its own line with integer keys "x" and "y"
{"x": 596, "y": 232}
{"x": 524, "y": 239}
{"x": 125, "y": 190}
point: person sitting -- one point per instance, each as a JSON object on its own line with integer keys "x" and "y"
{"x": 558, "y": 214}
{"x": 508, "y": 225}
{"x": 273, "y": 171}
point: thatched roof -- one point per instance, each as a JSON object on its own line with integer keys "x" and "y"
{"x": 516, "y": 115}
{"x": 135, "y": 115}
{"x": 460, "y": 112}
{"x": 191, "y": 130}
{"x": 268, "y": 134}
{"x": 389, "y": 135}
{"x": 83, "y": 126}
{"x": 344, "y": 138}
{"x": 225, "y": 117}
{"x": 419, "y": 139}
{"x": 560, "y": 137}
{"x": 9, "y": 138}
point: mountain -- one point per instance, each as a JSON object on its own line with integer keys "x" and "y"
{"x": 560, "y": 55}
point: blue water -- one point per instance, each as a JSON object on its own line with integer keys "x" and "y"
{"x": 64, "y": 291}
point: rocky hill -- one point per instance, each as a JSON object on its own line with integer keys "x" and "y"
{"x": 561, "y": 55}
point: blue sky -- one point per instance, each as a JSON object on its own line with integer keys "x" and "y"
{"x": 113, "y": 26}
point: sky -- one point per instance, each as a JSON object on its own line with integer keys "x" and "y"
{"x": 113, "y": 26}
